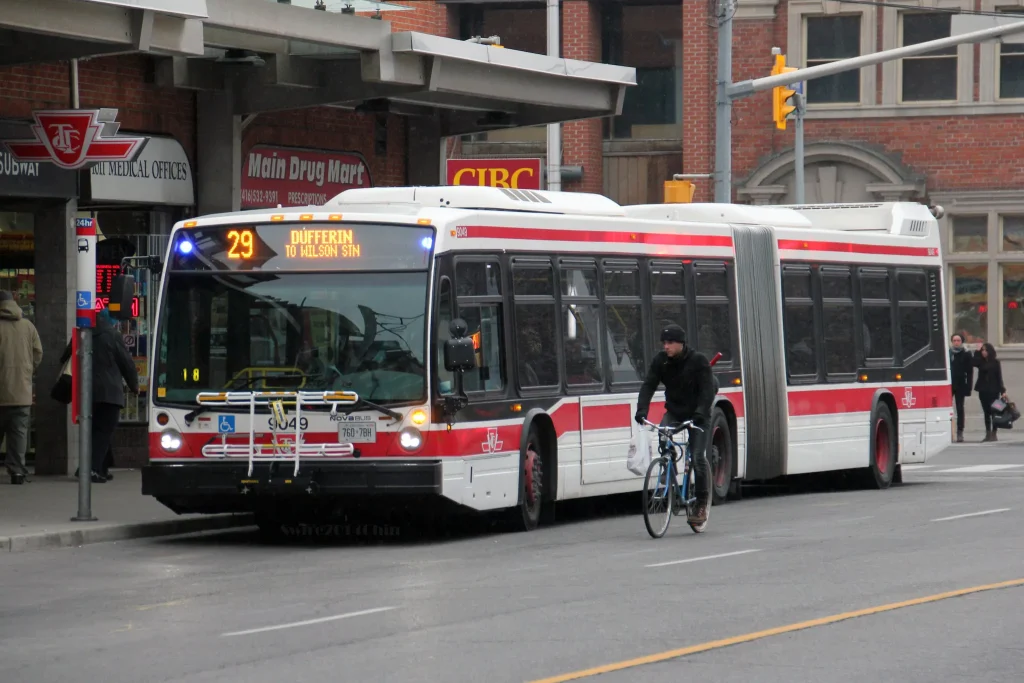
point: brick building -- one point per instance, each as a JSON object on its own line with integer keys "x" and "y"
{"x": 942, "y": 128}
{"x": 228, "y": 92}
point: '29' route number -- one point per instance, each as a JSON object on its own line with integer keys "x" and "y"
{"x": 274, "y": 424}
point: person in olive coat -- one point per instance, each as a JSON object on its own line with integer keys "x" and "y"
{"x": 961, "y": 370}
{"x": 989, "y": 385}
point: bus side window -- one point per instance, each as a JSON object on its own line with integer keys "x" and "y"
{"x": 445, "y": 383}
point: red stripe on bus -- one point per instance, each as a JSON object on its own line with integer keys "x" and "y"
{"x": 856, "y": 248}
{"x": 619, "y": 237}
{"x": 853, "y": 400}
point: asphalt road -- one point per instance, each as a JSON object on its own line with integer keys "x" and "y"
{"x": 566, "y": 598}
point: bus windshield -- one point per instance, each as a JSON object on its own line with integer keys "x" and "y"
{"x": 362, "y": 332}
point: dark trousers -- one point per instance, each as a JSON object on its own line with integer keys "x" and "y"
{"x": 986, "y": 407}
{"x": 105, "y": 418}
{"x": 698, "y": 448}
{"x": 958, "y": 401}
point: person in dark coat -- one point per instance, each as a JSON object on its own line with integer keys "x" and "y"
{"x": 111, "y": 363}
{"x": 961, "y": 370}
{"x": 989, "y": 385}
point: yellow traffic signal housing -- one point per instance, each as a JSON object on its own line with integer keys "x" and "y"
{"x": 679, "y": 191}
{"x": 781, "y": 108}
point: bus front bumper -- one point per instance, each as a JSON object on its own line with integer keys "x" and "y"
{"x": 198, "y": 485}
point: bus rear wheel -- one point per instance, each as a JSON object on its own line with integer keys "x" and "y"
{"x": 883, "y": 449}
{"x": 720, "y": 457}
{"x": 531, "y": 477}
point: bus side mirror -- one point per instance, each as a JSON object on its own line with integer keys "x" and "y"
{"x": 459, "y": 354}
{"x": 122, "y": 291}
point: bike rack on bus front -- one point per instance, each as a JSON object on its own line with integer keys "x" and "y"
{"x": 276, "y": 400}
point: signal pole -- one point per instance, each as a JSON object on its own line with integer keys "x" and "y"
{"x": 798, "y": 147}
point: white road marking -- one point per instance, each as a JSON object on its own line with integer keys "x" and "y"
{"x": 706, "y": 557}
{"x": 971, "y": 514}
{"x": 310, "y": 621}
{"x": 979, "y": 468}
{"x": 907, "y": 468}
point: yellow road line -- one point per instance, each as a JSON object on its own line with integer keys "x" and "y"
{"x": 778, "y": 630}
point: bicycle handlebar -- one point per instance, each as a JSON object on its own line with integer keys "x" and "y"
{"x": 680, "y": 427}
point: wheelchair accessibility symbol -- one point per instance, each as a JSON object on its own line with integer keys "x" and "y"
{"x": 226, "y": 424}
{"x": 84, "y": 301}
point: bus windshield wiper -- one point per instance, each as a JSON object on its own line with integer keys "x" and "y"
{"x": 363, "y": 402}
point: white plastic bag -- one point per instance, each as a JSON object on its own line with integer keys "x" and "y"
{"x": 639, "y": 457}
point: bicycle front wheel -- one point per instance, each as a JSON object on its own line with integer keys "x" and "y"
{"x": 658, "y": 497}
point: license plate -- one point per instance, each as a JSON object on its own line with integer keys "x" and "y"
{"x": 357, "y": 432}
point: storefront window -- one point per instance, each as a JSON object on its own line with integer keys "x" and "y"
{"x": 1013, "y": 303}
{"x": 970, "y": 300}
{"x": 970, "y": 233}
{"x": 17, "y": 259}
{"x": 1013, "y": 233}
{"x": 647, "y": 37}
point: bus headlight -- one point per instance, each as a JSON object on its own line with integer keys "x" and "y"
{"x": 170, "y": 440}
{"x": 410, "y": 439}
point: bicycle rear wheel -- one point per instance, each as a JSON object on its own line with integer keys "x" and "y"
{"x": 659, "y": 493}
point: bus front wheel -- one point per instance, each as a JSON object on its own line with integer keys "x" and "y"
{"x": 531, "y": 486}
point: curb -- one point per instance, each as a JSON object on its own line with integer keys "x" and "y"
{"x": 122, "y": 532}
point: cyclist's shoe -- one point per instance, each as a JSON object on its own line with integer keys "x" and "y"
{"x": 699, "y": 514}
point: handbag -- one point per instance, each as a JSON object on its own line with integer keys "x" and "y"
{"x": 1004, "y": 414}
{"x": 638, "y": 457}
{"x": 62, "y": 388}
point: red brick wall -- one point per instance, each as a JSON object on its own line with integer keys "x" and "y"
{"x": 581, "y": 140}
{"x": 334, "y": 129}
{"x": 123, "y": 82}
{"x": 427, "y": 17}
{"x": 698, "y": 96}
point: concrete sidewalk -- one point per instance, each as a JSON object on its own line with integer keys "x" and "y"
{"x": 38, "y": 514}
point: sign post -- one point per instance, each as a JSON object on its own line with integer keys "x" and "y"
{"x": 85, "y": 321}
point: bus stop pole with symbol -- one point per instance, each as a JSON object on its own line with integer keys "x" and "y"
{"x": 85, "y": 321}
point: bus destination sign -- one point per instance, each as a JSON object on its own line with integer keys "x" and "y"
{"x": 286, "y": 247}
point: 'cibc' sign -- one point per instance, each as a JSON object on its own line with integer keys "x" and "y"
{"x": 517, "y": 174}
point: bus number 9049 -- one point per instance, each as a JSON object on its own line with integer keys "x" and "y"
{"x": 274, "y": 424}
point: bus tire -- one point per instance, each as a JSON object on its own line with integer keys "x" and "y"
{"x": 531, "y": 482}
{"x": 881, "y": 470}
{"x": 720, "y": 457}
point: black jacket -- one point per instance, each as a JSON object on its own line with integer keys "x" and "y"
{"x": 689, "y": 385}
{"x": 990, "y": 377}
{"x": 961, "y": 370}
{"x": 110, "y": 363}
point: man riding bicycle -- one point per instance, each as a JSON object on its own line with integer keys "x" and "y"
{"x": 689, "y": 394}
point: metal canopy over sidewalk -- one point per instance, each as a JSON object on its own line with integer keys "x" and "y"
{"x": 273, "y": 56}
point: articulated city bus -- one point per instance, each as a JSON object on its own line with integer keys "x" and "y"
{"x": 486, "y": 346}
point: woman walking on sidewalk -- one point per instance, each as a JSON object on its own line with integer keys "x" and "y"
{"x": 989, "y": 385}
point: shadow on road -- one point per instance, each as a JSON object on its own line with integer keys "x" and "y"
{"x": 418, "y": 524}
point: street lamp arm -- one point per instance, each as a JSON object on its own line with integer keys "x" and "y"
{"x": 745, "y": 88}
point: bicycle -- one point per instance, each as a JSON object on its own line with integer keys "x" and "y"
{"x": 667, "y": 491}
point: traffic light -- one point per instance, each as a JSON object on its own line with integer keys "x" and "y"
{"x": 679, "y": 191}
{"x": 781, "y": 108}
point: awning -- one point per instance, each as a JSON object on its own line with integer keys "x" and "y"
{"x": 274, "y": 56}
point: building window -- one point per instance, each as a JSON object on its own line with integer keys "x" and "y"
{"x": 933, "y": 76}
{"x": 829, "y": 39}
{"x": 970, "y": 300}
{"x": 647, "y": 37}
{"x": 970, "y": 234}
{"x": 1013, "y": 233}
{"x": 1011, "y": 68}
{"x": 1013, "y": 303}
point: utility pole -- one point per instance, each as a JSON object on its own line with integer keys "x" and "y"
{"x": 554, "y": 129}
{"x": 728, "y": 91}
{"x": 723, "y": 104}
{"x": 798, "y": 147}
